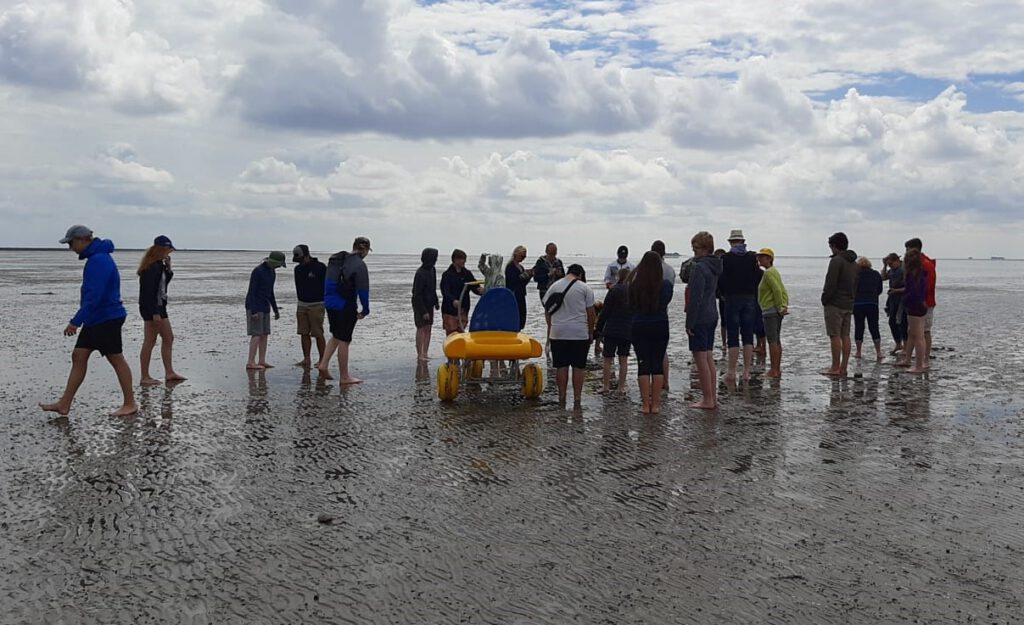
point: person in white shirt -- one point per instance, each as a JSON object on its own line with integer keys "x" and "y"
{"x": 611, "y": 273}
{"x": 569, "y": 310}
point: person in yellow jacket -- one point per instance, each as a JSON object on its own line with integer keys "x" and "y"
{"x": 774, "y": 302}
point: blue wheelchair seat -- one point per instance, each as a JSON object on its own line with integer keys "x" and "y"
{"x": 497, "y": 311}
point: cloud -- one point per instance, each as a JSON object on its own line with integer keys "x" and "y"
{"x": 93, "y": 45}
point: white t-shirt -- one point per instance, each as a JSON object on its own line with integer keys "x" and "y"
{"x": 611, "y": 274}
{"x": 569, "y": 323}
{"x": 669, "y": 273}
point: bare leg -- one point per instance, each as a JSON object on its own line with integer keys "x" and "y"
{"x": 845, "y": 362}
{"x": 344, "y": 376}
{"x": 263, "y": 351}
{"x": 124, "y": 378}
{"x": 577, "y": 385}
{"x": 708, "y": 382}
{"x": 878, "y": 350}
{"x": 734, "y": 356}
{"x": 644, "y": 382}
{"x": 325, "y": 361}
{"x": 254, "y": 344}
{"x": 657, "y": 382}
{"x": 307, "y": 348}
{"x": 427, "y": 331}
{"x": 623, "y": 367}
{"x": 321, "y": 346}
{"x": 664, "y": 367}
{"x": 79, "y": 367}
{"x": 836, "y": 345}
{"x": 748, "y": 362}
{"x": 150, "y": 332}
{"x": 166, "y": 352}
{"x": 928, "y": 345}
{"x": 858, "y": 355}
{"x": 918, "y": 344}
{"x": 775, "y": 354}
{"x": 607, "y": 379}
{"x": 562, "y": 380}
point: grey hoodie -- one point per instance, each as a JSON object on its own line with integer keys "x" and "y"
{"x": 703, "y": 306}
{"x": 841, "y": 281}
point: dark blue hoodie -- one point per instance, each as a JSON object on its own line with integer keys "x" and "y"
{"x": 101, "y": 286}
{"x": 703, "y": 308}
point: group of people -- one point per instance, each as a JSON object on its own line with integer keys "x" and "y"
{"x": 737, "y": 289}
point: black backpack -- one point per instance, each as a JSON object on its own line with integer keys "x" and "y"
{"x": 343, "y": 285}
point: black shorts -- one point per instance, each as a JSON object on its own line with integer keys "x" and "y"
{"x": 418, "y": 313}
{"x": 147, "y": 315}
{"x": 566, "y": 353}
{"x": 615, "y": 346}
{"x": 104, "y": 338}
{"x": 342, "y": 323}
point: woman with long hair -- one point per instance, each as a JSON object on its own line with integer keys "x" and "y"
{"x": 649, "y": 294}
{"x": 517, "y": 277}
{"x": 914, "y": 301}
{"x": 155, "y": 274}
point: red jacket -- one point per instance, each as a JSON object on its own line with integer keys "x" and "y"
{"x": 929, "y": 266}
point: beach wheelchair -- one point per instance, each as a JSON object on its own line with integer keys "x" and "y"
{"x": 494, "y": 336}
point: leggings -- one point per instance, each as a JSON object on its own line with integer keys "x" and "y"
{"x": 868, "y": 312}
{"x": 650, "y": 340}
{"x": 898, "y": 325}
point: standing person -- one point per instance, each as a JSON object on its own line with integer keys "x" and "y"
{"x": 621, "y": 262}
{"x": 738, "y": 284}
{"x": 669, "y": 274}
{"x": 101, "y": 316}
{"x": 865, "y": 307}
{"x": 837, "y": 297}
{"x": 614, "y": 323}
{"x": 548, "y": 269}
{"x": 649, "y": 293}
{"x": 155, "y": 274}
{"x": 720, "y": 254}
{"x": 259, "y": 300}
{"x": 893, "y": 272}
{"x": 517, "y": 277}
{"x": 569, "y": 312}
{"x": 928, "y": 264}
{"x": 425, "y": 302}
{"x": 915, "y": 300}
{"x": 310, "y": 274}
{"x": 702, "y": 315}
{"x": 347, "y": 280}
{"x": 491, "y": 267}
{"x": 455, "y": 303}
{"x": 773, "y": 300}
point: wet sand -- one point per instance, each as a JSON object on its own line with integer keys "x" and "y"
{"x": 275, "y": 498}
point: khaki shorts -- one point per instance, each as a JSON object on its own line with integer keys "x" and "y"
{"x": 837, "y": 321}
{"x": 928, "y": 319}
{"x": 310, "y": 321}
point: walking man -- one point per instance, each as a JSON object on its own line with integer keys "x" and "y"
{"x": 837, "y": 297}
{"x": 101, "y": 316}
{"x": 347, "y": 280}
{"x": 309, "y": 314}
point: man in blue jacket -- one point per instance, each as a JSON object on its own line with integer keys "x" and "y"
{"x": 347, "y": 281}
{"x": 100, "y": 316}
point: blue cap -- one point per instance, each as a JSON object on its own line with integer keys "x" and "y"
{"x": 163, "y": 241}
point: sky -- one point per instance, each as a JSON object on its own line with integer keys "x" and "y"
{"x": 260, "y": 124}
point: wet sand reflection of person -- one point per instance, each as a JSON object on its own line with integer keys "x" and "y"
{"x": 257, "y": 403}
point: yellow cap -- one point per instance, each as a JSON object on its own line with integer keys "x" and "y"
{"x": 767, "y": 251}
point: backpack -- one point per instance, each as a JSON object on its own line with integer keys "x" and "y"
{"x": 555, "y": 300}
{"x": 343, "y": 285}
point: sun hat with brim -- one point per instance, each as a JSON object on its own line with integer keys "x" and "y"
{"x": 737, "y": 235}
{"x": 275, "y": 259}
{"x": 163, "y": 241}
{"x": 766, "y": 251}
{"x": 77, "y": 231}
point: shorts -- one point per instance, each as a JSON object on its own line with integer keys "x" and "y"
{"x": 310, "y": 320}
{"x": 451, "y": 322}
{"x": 650, "y": 341}
{"x": 773, "y": 328}
{"x": 419, "y": 312}
{"x": 615, "y": 346}
{"x": 741, "y": 316}
{"x": 703, "y": 337}
{"x": 929, "y": 318}
{"x": 837, "y": 321}
{"x": 568, "y": 353}
{"x": 104, "y": 338}
{"x": 257, "y": 324}
{"x": 342, "y": 323}
{"x": 147, "y": 315}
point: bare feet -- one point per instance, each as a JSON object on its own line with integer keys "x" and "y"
{"x": 324, "y": 373}
{"x": 149, "y": 381}
{"x": 266, "y": 365}
{"x": 774, "y": 374}
{"x": 857, "y": 356}
{"x": 126, "y": 410}
{"x": 703, "y": 405}
{"x": 175, "y": 377}
{"x": 604, "y": 390}
{"x": 843, "y": 373}
{"x": 56, "y": 407}
{"x": 645, "y": 408}
{"x": 746, "y": 376}
{"x": 901, "y": 363}
{"x": 351, "y": 380}
{"x": 303, "y": 363}
{"x": 254, "y": 367}
{"x": 917, "y": 370}
{"x": 831, "y": 372}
